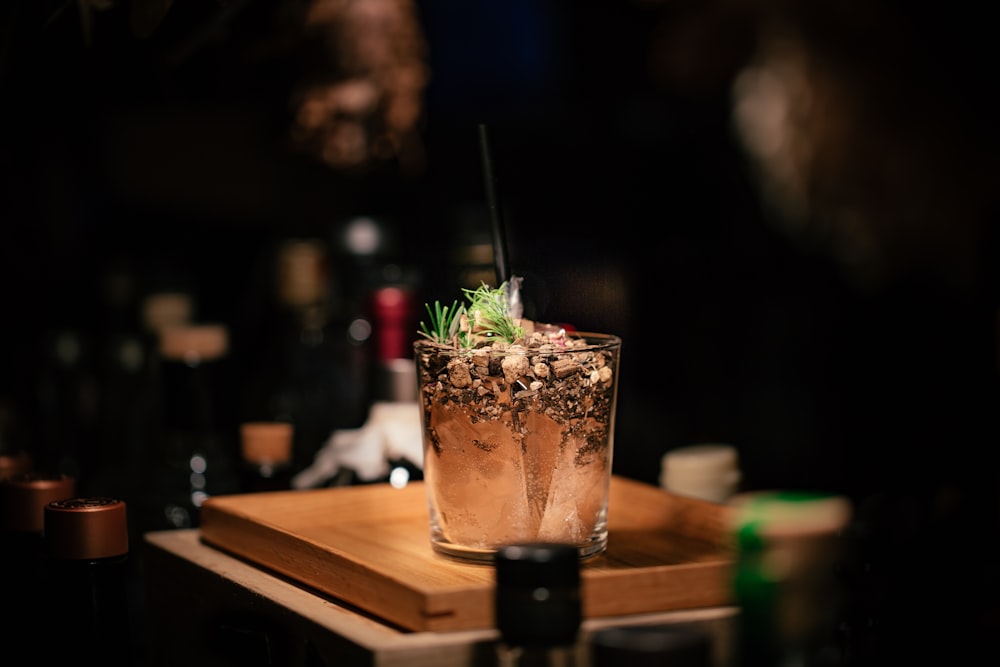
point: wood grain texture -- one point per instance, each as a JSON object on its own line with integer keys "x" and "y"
{"x": 369, "y": 546}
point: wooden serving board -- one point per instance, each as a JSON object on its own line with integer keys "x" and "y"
{"x": 369, "y": 546}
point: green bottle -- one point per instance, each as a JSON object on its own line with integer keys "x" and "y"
{"x": 789, "y": 546}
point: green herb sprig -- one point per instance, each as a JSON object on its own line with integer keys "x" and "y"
{"x": 489, "y": 313}
{"x": 486, "y": 317}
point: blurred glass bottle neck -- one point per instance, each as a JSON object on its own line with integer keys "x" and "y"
{"x": 538, "y": 608}
{"x": 303, "y": 284}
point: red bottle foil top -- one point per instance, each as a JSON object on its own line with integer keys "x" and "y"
{"x": 393, "y": 311}
{"x": 23, "y": 498}
{"x": 86, "y": 528}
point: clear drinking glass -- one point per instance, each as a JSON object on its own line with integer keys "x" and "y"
{"x": 518, "y": 443}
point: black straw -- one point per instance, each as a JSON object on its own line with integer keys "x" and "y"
{"x": 499, "y": 234}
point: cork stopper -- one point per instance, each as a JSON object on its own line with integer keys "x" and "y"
{"x": 166, "y": 309}
{"x": 23, "y": 498}
{"x": 266, "y": 443}
{"x": 86, "y": 528}
{"x": 789, "y": 514}
{"x": 302, "y": 273}
{"x": 194, "y": 342}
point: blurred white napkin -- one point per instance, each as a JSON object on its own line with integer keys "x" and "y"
{"x": 392, "y": 432}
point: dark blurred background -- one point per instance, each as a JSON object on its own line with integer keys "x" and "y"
{"x": 787, "y": 210}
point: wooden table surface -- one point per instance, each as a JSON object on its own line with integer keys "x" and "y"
{"x": 209, "y": 608}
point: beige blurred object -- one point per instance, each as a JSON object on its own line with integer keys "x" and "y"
{"x": 194, "y": 342}
{"x": 163, "y": 309}
{"x": 475, "y": 264}
{"x": 391, "y": 432}
{"x": 302, "y": 273}
{"x": 709, "y": 471}
{"x": 363, "y": 102}
{"x": 266, "y": 443}
{"x": 789, "y": 514}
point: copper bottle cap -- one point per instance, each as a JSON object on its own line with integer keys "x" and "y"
{"x": 266, "y": 442}
{"x": 23, "y": 498}
{"x": 194, "y": 342}
{"x": 86, "y": 528}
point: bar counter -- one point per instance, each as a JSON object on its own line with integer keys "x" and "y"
{"x": 209, "y": 608}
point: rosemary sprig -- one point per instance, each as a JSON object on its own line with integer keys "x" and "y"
{"x": 489, "y": 313}
{"x": 486, "y": 317}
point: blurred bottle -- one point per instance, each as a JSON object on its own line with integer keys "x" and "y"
{"x": 472, "y": 254}
{"x": 309, "y": 360}
{"x": 650, "y": 646}
{"x": 14, "y": 455}
{"x": 23, "y": 497}
{"x": 196, "y": 432}
{"x": 538, "y": 607}
{"x": 367, "y": 249}
{"x": 394, "y": 328}
{"x": 159, "y": 310}
{"x": 266, "y": 449}
{"x": 388, "y": 447}
{"x": 130, "y": 389}
{"x": 394, "y": 379}
{"x": 789, "y": 548}
{"x": 126, "y": 351}
{"x": 378, "y": 290}
{"x": 88, "y": 618}
{"x": 67, "y": 398}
